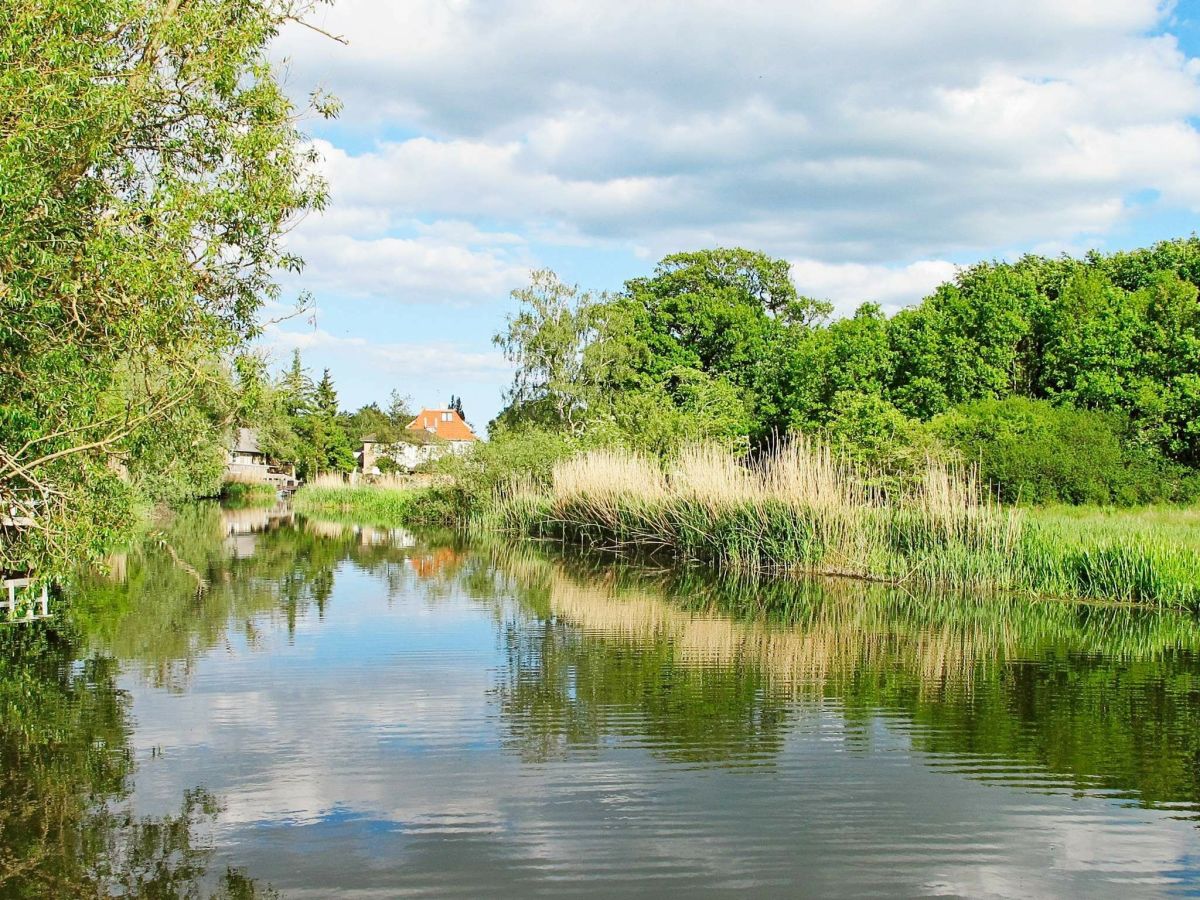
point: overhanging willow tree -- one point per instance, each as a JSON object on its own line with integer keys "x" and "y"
{"x": 150, "y": 164}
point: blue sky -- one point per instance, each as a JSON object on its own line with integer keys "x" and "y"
{"x": 875, "y": 145}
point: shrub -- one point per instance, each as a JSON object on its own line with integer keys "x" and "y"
{"x": 387, "y": 465}
{"x": 248, "y": 493}
{"x": 512, "y": 454}
{"x": 1032, "y": 451}
{"x": 883, "y": 444}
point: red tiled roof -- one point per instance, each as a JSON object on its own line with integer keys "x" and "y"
{"x": 432, "y": 420}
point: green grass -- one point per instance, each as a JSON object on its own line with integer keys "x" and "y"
{"x": 376, "y": 504}
{"x": 1177, "y": 525}
{"x": 241, "y": 493}
{"x": 1148, "y": 554}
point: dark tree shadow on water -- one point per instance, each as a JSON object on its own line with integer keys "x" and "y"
{"x": 66, "y": 772}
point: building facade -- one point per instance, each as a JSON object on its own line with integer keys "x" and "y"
{"x": 432, "y": 434}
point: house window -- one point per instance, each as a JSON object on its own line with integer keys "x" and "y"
{"x": 447, "y": 417}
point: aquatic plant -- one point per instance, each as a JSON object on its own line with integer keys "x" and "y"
{"x": 240, "y": 491}
{"x": 802, "y": 510}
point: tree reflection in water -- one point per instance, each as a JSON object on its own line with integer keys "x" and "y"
{"x": 697, "y": 671}
{"x": 65, "y": 774}
{"x": 1087, "y": 697}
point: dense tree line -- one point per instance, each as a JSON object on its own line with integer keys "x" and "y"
{"x": 1072, "y": 379}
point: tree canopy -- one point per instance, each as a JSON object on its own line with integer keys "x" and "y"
{"x": 717, "y": 343}
{"x": 151, "y": 163}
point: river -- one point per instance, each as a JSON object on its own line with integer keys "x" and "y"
{"x": 251, "y": 704}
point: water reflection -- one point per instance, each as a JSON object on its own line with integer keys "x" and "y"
{"x": 65, "y": 774}
{"x": 341, "y": 709}
{"x": 1093, "y": 698}
{"x": 209, "y": 571}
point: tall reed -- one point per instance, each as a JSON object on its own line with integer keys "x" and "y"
{"x": 802, "y": 509}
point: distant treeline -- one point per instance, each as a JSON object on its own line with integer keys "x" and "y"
{"x": 1065, "y": 379}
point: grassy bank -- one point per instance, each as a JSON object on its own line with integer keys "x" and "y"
{"x": 389, "y": 501}
{"x": 803, "y": 511}
{"x": 248, "y": 493}
{"x": 1150, "y": 554}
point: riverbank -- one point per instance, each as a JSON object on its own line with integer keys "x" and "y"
{"x": 803, "y": 512}
{"x": 248, "y": 493}
{"x": 388, "y": 501}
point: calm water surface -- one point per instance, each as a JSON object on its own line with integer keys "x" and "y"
{"x": 316, "y": 709}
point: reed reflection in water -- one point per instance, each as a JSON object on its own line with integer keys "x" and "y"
{"x": 336, "y": 709}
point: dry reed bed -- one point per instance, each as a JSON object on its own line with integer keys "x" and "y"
{"x": 803, "y": 510}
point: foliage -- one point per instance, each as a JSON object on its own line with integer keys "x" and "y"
{"x": 236, "y": 494}
{"x": 299, "y": 422}
{"x": 525, "y": 455}
{"x": 1035, "y": 452}
{"x": 371, "y": 421}
{"x": 688, "y": 406}
{"x": 184, "y": 457}
{"x": 152, "y": 163}
{"x": 717, "y": 345}
{"x": 886, "y": 447}
{"x": 328, "y": 446}
{"x": 803, "y": 510}
{"x": 554, "y": 341}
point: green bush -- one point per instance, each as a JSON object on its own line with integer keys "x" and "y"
{"x": 884, "y": 445}
{"x": 386, "y": 465}
{"x": 240, "y": 493}
{"x": 526, "y": 454}
{"x": 1032, "y": 451}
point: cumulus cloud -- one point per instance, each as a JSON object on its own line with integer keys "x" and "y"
{"x": 407, "y": 362}
{"x": 862, "y": 131}
{"x": 849, "y": 284}
{"x": 868, "y": 141}
{"x": 433, "y": 266}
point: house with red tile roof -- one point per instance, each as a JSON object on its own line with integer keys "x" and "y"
{"x": 429, "y": 436}
{"x": 446, "y": 424}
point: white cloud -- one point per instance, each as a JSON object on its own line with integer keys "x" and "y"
{"x": 868, "y": 131}
{"x": 867, "y": 140}
{"x": 408, "y": 362}
{"x": 435, "y": 266}
{"x": 849, "y": 284}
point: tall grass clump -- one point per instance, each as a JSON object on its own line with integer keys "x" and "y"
{"x": 1131, "y": 557}
{"x": 802, "y": 509}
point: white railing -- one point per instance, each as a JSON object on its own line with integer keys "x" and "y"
{"x": 33, "y": 607}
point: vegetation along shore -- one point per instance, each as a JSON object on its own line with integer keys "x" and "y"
{"x": 706, "y": 409}
{"x": 711, "y": 413}
{"x": 802, "y": 511}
